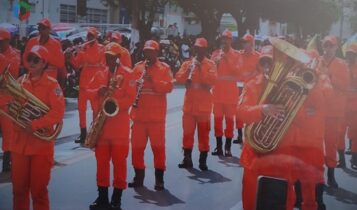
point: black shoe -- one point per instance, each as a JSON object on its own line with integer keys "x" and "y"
{"x": 82, "y": 137}
{"x": 354, "y": 161}
{"x": 298, "y": 194}
{"x": 341, "y": 162}
{"x": 102, "y": 201}
{"x": 138, "y": 180}
{"x": 331, "y": 181}
{"x": 218, "y": 150}
{"x": 239, "y": 140}
{"x": 227, "y": 148}
{"x": 115, "y": 203}
{"x": 319, "y": 190}
{"x": 187, "y": 160}
{"x": 159, "y": 180}
{"x": 203, "y": 161}
{"x": 6, "y": 162}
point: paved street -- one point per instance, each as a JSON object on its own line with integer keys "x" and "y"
{"x": 73, "y": 186}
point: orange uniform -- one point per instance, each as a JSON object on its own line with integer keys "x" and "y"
{"x": 10, "y": 56}
{"x": 32, "y": 158}
{"x": 56, "y": 57}
{"x": 198, "y": 100}
{"x": 338, "y": 74}
{"x": 90, "y": 60}
{"x": 225, "y": 91}
{"x": 150, "y": 115}
{"x": 352, "y": 109}
{"x": 115, "y": 145}
{"x": 125, "y": 58}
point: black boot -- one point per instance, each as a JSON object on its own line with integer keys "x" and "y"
{"x": 227, "y": 147}
{"x": 80, "y": 139}
{"x": 218, "y": 151}
{"x": 298, "y": 194}
{"x": 319, "y": 196}
{"x": 203, "y": 161}
{"x": 239, "y": 139}
{"x": 341, "y": 162}
{"x": 354, "y": 161}
{"x": 115, "y": 203}
{"x": 6, "y": 162}
{"x": 348, "y": 151}
{"x": 331, "y": 181}
{"x": 159, "y": 180}
{"x": 102, "y": 201}
{"x": 187, "y": 160}
{"x": 138, "y": 180}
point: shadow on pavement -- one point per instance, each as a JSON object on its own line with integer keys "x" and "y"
{"x": 158, "y": 198}
{"x": 342, "y": 195}
{"x": 229, "y": 161}
{"x": 350, "y": 172}
{"x": 5, "y": 177}
{"x": 204, "y": 177}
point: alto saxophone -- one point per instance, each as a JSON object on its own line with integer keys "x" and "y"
{"x": 140, "y": 85}
{"x": 109, "y": 108}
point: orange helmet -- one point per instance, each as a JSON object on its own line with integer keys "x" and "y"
{"x": 151, "y": 45}
{"x": 4, "y": 34}
{"x": 45, "y": 22}
{"x": 40, "y": 52}
{"x": 227, "y": 33}
{"x": 113, "y": 49}
{"x": 201, "y": 42}
{"x": 352, "y": 48}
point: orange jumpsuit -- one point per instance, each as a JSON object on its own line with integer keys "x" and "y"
{"x": 90, "y": 60}
{"x": 125, "y": 58}
{"x": 150, "y": 115}
{"x": 32, "y": 158}
{"x": 113, "y": 143}
{"x": 197, "y": 106}
{"x": 10, "y": 56}
{"x": 278, "y": 163}
{"x": 352, "y": 109}
{"x": 336, "y": 108}
{"x": 247, "y": 71}
{"x": 225, "y": 91}
{"x": 56, "y": 57}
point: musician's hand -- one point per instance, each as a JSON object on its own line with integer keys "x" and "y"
{"x": 275, "y": 111}
{"x": 102, "y": 91}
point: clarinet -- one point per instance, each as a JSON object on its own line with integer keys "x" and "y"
{"x": 221, "y": 55}
{"x": 140, "y": 85}
{"x": 191, "y": 69}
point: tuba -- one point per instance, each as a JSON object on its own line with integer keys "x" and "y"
{"x": 109, "y": 108}
{"x": 25, "y": 107}
{"x": 290, "y": 80}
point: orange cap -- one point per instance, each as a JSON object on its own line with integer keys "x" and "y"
{"x": 93, "y": 31}
{"x": 266, "y": 52}
{"x": 201, "y": 42}
{"x": 45, "y": 22}
{"x": 4, "y": 34}
{"x": 331, "y": 39}
{"x": 113, "y": 49}
{"x": 352, "y": 48}
{"x": 116, "y": 35}
{"x": 40, "y": 52}
{"x": 227, "y": 33}
{"x": 248, "y": 38}
{"x": 151, "y": 45}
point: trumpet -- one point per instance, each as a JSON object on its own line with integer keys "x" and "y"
{"x": 140, "y": 85}
{"x": 75, "y": 49}
{"x": 26, "y": 107}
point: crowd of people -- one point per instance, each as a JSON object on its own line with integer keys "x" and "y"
{"x": 107, "y": 72}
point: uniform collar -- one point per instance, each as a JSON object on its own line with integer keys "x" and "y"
{"x": 41, "y": 80}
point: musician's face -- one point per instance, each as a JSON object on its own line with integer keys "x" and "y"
{"x": 329, "y": 49}
{"x": 200, "y": 51}
{"x": 151, "y": 55}
{"x": 36, "y": 64}
{"x": 265, "y": 65}
{"x": 43, "y": 30}
{"x": 226, "y": 42}
{"x": 90, "y": 37}
{"x": 351, "y": 57}
{"x": 247, "y": 46}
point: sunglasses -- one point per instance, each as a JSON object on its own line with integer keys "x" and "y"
{"x": 41, "y": 27}
{"x": 33, "y": 59}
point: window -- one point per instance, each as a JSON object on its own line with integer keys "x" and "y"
{"x": 67, "y": 13}
{"x": 97, "y": 15}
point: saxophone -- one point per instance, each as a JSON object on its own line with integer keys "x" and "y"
{"x": 25, "y": 107}
{"x": 140, "y": 84}
{"x": 289, "y": 83}
{"x": 109, "y": 108}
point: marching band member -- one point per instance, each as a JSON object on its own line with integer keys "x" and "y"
{"x": 351, "y": 58}
{"x": 225, "y": 92}
{"x": 90, "y": 59}
{"x": 249, "y": 61}
{"x": 149, "y": 114}
{"x": 56, "y": 57}
{"x": 337, "y": 71}
{"x": 8, "y": 56}
{"x": 125, "y": 58}
{"x": 32, "y": 157}
{"x": 113, "y": 146}
{"x": 199, "y": 75}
